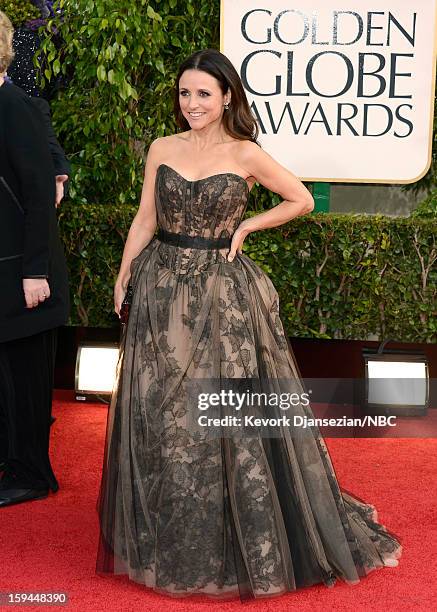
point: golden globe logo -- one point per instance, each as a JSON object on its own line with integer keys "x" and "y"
{"x": 320, "y": 75}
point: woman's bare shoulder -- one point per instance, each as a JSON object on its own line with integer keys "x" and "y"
{"x": 164, "y": 145}
{"x": 166, "y": 141}
{"x": 247, "y": 148}
{"x": 161, "y": 142}
{"x": 246, "y": 153}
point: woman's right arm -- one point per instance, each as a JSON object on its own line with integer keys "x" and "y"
{"x": 143, "y": 226}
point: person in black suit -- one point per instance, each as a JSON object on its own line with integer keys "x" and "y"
{"x": 34, "y": 300}
{"x": 22, "y": 72}
{"x": 60, "y": 162}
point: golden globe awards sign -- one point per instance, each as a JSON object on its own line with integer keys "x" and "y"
{"x": 343, "y": 90}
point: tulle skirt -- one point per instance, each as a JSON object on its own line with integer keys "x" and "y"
{"x": 185, "y": 513}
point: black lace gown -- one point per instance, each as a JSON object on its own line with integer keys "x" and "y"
{"x": 225, "y": 517}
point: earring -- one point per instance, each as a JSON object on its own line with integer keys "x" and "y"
{"x": 226, "y": 105}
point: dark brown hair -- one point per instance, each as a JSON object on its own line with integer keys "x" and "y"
{"x": 238, "y": 120}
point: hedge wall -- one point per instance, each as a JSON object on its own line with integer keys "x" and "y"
{"x": 338, "y": 276}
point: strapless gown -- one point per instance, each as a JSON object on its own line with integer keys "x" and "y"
{"x": 225, "y": 517}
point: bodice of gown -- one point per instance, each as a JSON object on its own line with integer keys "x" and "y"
{"x": 211, "y": 207}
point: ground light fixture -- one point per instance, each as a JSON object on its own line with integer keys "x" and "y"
{"x": 396, "y": 382}
{"x": 96, "y": 364}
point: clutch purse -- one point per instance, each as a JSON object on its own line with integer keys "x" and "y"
{"x": 126, "y": 304}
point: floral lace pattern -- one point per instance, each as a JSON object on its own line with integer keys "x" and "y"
{"x": 184, "y": 514}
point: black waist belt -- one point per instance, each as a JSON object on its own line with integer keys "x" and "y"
{"x": 192, "y": 242}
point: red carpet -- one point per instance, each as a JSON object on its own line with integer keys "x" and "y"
{"x": 50, "y": 545}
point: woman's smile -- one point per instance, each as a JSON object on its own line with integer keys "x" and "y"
{"x": 195, "y": 115}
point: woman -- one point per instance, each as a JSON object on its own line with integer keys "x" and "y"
{"x": 34, "y": 288}
{"x": 182, "y": 510}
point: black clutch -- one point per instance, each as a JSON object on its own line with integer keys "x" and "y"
{"x": 126, "y": 304}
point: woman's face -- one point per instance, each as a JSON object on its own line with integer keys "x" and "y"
{"x": 201, "y": 98}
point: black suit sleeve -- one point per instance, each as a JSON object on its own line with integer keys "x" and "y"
{"x": 30, "y": 158}
{"x": 60, "y": 161}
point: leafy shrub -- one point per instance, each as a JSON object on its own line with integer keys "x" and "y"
{"x": 338, "y": 276}
{"x": 19, "y": 12}
{"x": 427, "y": 209}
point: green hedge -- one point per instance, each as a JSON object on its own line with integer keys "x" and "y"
{"x": 427, "y": 209}
{"x": 338, "y": 276}
{"x": 19, "y": 12}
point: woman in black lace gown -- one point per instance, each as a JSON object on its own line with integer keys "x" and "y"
{"x": 181, "y": 511}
